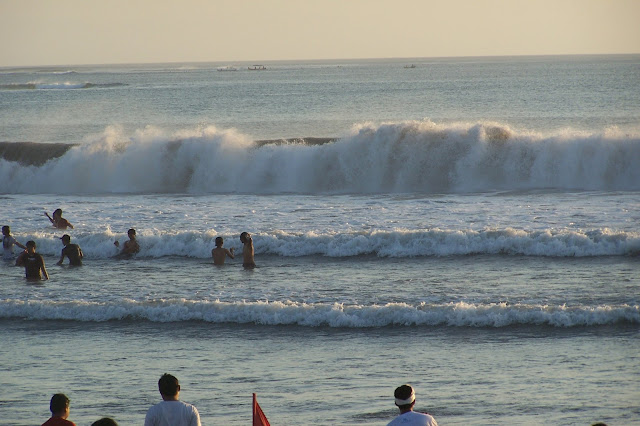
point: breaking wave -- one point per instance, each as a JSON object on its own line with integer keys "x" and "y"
{"x": 397, "y": 243}
{"x": 458, "y": 314}
{"x": 416, "y": 157}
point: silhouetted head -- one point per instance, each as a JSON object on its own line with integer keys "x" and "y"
{"x": 244, "y": 237}
{"x": 168, "y": 385}
{"x": 219, "y": 241}
{"x": 57, "y": 212}
{"x": 6, "y": 230}
{"x": 105, "y": 421}
{"x": 66, "y": 239}
{"x": 131, "y": 233}
{"x": 59, "y": 404}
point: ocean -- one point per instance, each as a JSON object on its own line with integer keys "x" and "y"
{"x": 465, "y": 225}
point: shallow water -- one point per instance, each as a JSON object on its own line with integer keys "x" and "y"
{"x": 540, "y": 321}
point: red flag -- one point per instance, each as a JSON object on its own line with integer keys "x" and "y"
{"x": 259, "y": 419}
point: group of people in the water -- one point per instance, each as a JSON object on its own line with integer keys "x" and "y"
{"x": 35, "y": 268}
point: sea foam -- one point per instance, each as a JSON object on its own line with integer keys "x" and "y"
{"x": 395, "y": 243}
{"x": 458, "y": 314}
{"x": 416, "y": 157}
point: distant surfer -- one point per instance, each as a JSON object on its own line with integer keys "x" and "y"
{"x": 33, "y": 263}
{"x": 58, "y": 221}
{"x": 8, "y": 242}
{"x": 72, "y": 251}
{"x": 247, "y": 251}
{"x": 131, "y": 247}
{"x": 220, "y": 253}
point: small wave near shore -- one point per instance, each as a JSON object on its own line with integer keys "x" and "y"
{"x": 454, "y": 314}
{"x": 387, "y": 244}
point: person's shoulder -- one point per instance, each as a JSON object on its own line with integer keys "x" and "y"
{"x": 58, "y": 421}
{"x": 413, "y": 418}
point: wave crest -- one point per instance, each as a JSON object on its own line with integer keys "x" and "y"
{"x": 417, "y": 157}
{"x": 396, "y": 243}
{"x": 458, "y": 314}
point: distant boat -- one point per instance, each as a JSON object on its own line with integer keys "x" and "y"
{"x": 410, "y": 66}
{"x": 227, "y": 68}
{"x": 257, "y": 68}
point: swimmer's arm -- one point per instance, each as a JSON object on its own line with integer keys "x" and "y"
{"x": 20, "y": 245}
{"x": 61, "y": 259}
{"x": 50, "y": 218}
{"x": 230, "y": 253}
{"x": 44, "y": 270}
{"x": 19, "y": 260}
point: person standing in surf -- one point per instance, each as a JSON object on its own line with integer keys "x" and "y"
{"x": 72, "y": 251}
{"x": 220, "y": 253}
{"x": 248, "y": 261}
{"x": 58, "y": 221}
{"x": 8, "y": 242}
{"x": 130, "y": 247}
{"x": 33, "y": 263}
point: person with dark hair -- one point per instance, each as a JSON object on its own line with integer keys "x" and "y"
{"x": 131, "y": 247}
{"x": 8, "y": 242}
{"x": 220, "y": 253}
{"x": 171, "y": 411}
{"x": 58, "y": 221}
{"x": 33, "y": 263}
{"x": 105, "y": 421}
{"x": 72, "y": 251}
{"x": 405, "y": 400}
{"x": 59, "y": 407}
{"x": 247, "y": 251}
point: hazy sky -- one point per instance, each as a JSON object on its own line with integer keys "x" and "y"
{"x": 57, "y": 32}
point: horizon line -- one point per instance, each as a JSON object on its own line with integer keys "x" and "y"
{"x": 321, "y": 59}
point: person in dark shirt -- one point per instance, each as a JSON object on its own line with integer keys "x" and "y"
{"x": 33, "y": 263}
{"x": 72, "y": 251}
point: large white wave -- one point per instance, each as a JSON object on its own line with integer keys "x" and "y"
{"x": 396, "y": 243}
{"x": 458, "y": 314}
{"x": 422, "y": 157}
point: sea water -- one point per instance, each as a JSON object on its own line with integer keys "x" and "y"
{"x": 469, "y": 226}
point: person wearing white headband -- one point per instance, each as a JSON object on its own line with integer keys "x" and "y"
{"x": 405, "y": 400}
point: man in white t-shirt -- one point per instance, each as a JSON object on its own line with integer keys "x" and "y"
{"x": 171, "y": 411}
{"x": 405, "y": 400}
{"x": 8, "y": 242}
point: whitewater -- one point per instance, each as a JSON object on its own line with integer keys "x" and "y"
{"x": 469, "y": 226}
{"x": 399, "y": 157}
